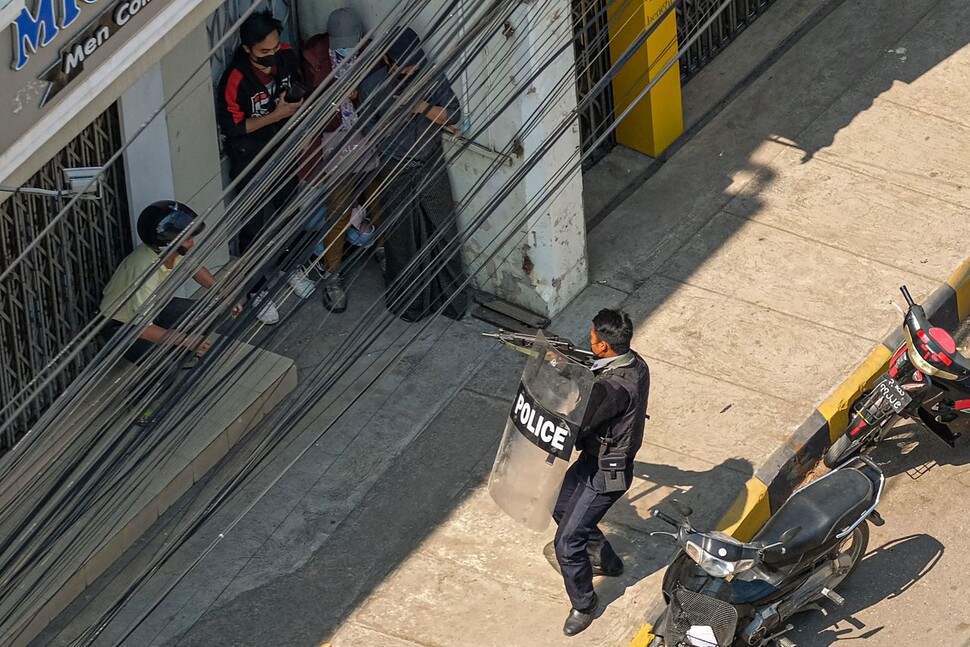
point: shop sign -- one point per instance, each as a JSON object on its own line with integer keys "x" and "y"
{"x": 35, "y": 30}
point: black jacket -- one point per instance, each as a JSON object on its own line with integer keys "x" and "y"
{"x": 616, "y": 414}
{"x": 243, "y": 95}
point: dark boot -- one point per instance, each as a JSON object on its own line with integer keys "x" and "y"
{"x": 579, "y": 620}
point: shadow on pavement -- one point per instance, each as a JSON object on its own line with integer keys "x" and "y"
{"x": 629, "y": 523}
{"x": 911, "y": 449}
{"x": 887, "y": 572}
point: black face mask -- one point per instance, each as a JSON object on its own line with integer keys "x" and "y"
{"x": 266, "y": 61}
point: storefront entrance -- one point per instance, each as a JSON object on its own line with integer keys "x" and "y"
{"x": 55, "y": 290}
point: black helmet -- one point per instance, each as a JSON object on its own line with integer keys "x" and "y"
{"x": 160, "y": 223}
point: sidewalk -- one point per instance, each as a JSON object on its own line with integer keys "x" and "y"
{"x": 757, "y": 263}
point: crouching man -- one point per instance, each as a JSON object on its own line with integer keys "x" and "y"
{"x": 159, "y": 225}
{"x": 609, "y": 439}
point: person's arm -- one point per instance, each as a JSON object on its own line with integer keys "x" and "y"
{"x": 435, "y": 114}
{"x": 283, "y": 110}
{"x": 442, "y": 108}
{"x": 158, "y": 335}
{"x": 204, "y": 278}
{"x": 233, "y": 119}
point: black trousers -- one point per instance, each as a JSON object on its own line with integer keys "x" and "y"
{"x": 578, "y": 511}
{"x": 423, "y": 272}
{"x": 255, "y": 225}
{"x": 170, "y": 315}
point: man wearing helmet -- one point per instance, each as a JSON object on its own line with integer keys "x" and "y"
{"x": 159, "y": 225}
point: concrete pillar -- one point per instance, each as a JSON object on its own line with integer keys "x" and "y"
{"x": 657, "y": 119}
{"x": 148, "y": 162}
{"x": 193, "y": 137}
{"x": 544, "y": 266}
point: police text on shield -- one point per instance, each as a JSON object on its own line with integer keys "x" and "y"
{"x": 546, "y": 430}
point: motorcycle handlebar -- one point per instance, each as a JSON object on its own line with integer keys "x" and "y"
{"x": 909, "y": 299}
{"x": 666, "y": 518}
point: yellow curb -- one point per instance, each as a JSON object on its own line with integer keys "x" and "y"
{"x": 644, "y": 637}
{"x": 748, "y": 513}
{"x": 835, "y": 408}
{"x": 960, "y": 282}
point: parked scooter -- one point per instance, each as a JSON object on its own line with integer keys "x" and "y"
{"x": 721, "y": 592}
{"x": 928, "y": 380}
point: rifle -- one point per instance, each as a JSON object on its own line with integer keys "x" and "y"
{"x": 524, "y": 343}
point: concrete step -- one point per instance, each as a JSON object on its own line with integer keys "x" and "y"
{"x": 188, "y": 441}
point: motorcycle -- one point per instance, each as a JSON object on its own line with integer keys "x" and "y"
{"x": 720, "y": 591}
{"x": 928, "y": 381}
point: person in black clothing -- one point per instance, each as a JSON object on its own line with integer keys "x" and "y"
{"x": 423, "y": 269}
{"x": 252, "y": 108}
{"x": 251, "y": 103}
{"x": 609, "y": 439}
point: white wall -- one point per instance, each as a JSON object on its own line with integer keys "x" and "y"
{"x": 193, "y": 138}
{"x": 176, "y": 155}
{"x": 544, "y": 266}
{"x": 148, "y": 160}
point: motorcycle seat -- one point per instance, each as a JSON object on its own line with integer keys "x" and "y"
{"x": 822, "y": 510}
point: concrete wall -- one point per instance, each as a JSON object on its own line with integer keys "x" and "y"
{"x": 148, "y": 160}
{"x": 176, "y": 151}
{"x": 192, "y": 133}
{"x": 544, "y": 265}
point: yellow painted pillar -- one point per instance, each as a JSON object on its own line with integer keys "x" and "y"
{"x": 658, "y": 119}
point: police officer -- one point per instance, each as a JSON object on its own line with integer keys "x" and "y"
{"x": 609, "y": 438}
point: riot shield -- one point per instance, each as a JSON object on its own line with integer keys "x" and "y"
{"x": 539, "y": 435}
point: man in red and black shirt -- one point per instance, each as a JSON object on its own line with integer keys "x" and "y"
{"x": 252, "y": 107}
{"x": 251, "y": 104}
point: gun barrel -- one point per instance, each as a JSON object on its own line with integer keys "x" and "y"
{"x": 507, "y": 335}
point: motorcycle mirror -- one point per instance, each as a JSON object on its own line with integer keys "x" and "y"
{"x": 682, "y": 509}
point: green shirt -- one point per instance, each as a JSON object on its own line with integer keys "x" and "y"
{"x": 126, "y": 277}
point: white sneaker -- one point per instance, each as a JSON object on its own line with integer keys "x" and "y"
{"x": 268, "y": 314}
{"x": 302, "y": 286}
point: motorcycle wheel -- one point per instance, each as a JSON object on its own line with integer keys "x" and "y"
{"x": 839, "y": 451}
{"x": 855, "y": 545}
